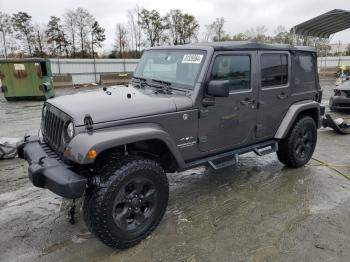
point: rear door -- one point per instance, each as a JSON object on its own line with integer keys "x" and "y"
{"x": 231, "y": 121}
{"x": 274, "y": 91}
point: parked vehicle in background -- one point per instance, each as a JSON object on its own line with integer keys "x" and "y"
{"x": 190, "y": 105}
{"x": 341, "y": 98}
{"x": 26, "y": 79}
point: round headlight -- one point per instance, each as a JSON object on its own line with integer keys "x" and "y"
{"x": 44, "y": 111}
{"x": 70, "y": 130}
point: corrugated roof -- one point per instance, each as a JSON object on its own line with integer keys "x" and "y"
{"x": 324, "y": 25}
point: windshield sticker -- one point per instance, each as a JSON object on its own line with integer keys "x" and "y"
{"x": 192, "y": 59}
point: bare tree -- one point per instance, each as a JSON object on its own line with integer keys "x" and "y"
{"x": 40, "y": 40}
{"x": 121, "y": 41}
{"x": 70, "y": 29}
{"x": 84, "y": 22}
{"x": 134, "y": 25}
{"x": 208, "y": 33}
{"x": 139, "y": 27}
{"x": 215, "y": 31}
{"x": 174, "y": 21}
{"x": 258, "y": 34}
{"x": 5, "y": 29}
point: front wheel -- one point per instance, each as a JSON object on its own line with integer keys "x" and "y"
{"x": 127, "y": 201}
{"x": 297, "y": 148}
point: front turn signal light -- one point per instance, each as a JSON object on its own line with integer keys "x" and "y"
{"x": 92, "y": 154}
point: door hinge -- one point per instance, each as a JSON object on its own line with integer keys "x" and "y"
{"x": 202, "y": 139}
{"x": 203, "y": 113}
{"x": 259, "y": 104}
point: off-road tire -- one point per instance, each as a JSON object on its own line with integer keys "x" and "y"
{"x": 98, "y": 207}
{"x": 289, "y": 147}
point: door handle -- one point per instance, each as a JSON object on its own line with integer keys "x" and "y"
{"x": 282, "y": 96}
{"x": 247, "y": 101}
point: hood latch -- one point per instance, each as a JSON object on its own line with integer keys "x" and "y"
{"x": 88, "y": 123}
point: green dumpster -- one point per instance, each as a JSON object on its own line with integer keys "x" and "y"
{"x": 26, "y": 79}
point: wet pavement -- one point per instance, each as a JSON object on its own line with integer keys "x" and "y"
{"x": 255, "y": 211}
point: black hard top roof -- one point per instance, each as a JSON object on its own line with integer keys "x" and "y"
{"x": 23, "y": 60}
{"x": 242, "y": 45}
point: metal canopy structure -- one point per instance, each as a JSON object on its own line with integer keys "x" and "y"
{"x": 324, "y": 25}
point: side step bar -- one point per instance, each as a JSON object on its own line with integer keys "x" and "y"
{"x": 231, "y": 157}
{"x": 221, "y": 163}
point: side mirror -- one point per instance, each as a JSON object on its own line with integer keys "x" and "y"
{"x": 218, "y": 88}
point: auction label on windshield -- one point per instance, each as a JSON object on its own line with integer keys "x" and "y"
{"x": 192, "y": 59}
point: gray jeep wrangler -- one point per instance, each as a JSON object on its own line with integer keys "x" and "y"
{"x": 186, "y": 106}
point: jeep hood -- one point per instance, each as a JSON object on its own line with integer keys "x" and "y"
{"x": 119, "y": 102}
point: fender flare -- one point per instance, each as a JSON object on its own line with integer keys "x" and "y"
{"x": 101, "y": 140}
{"x": 291, "y": 115}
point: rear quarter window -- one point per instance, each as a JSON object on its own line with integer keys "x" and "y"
{"x": 304, "y": 73}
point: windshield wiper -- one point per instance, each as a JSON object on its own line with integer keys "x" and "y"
{"x": 164, "y": 85}
{"x": 162, "y": 82}
{"x": 141, "y": 81}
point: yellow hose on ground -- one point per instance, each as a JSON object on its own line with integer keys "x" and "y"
{"x": 332, "y": 167}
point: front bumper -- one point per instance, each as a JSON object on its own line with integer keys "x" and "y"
{"x": 46, "y": 170}
{"x": 339, "y": 103}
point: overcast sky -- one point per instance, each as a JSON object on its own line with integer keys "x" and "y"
{"x": 240, "y": 15}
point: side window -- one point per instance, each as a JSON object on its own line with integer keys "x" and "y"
{"x": 304, "y": 73}
{"x": 232, "y": 68}
{"x": 274, "y": 70}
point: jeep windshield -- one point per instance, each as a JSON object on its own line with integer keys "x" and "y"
{"x": 178, "y": 68}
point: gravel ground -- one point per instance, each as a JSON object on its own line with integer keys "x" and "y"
{"x": 256, "y": 211}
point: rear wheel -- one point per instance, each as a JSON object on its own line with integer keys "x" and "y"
{"x": 297, "y": 148}
{"x": 127, "y": 202}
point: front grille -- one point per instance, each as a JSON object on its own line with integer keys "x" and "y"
{"x": 53, "y": 126}
{"x": 50, "y": 153}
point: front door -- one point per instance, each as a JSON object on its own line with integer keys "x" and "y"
{"x": 274, "y": 92}
{"x": 230, "y": 122}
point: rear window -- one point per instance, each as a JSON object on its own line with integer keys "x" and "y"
{"x": 274, "y": 70}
